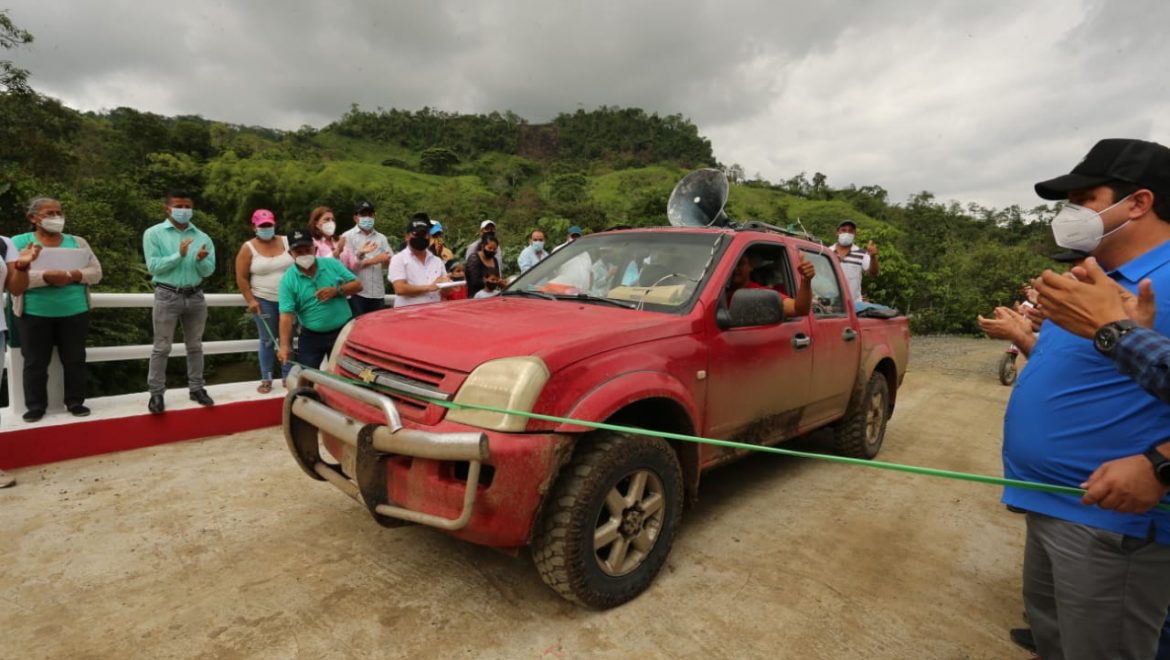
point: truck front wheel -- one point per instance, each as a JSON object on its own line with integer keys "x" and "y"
{"x": 860, "y": 434}
{"x": 611, "y": 519}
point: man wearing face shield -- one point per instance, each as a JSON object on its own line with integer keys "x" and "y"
{"x": 855, "y": 261}
{"x": 1096, "y": 580}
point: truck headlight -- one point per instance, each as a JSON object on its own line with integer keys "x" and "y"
{"x": 512, "y": 383}
{"x": 331, "y": 363}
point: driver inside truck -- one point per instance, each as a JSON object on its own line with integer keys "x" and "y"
{"x": 793, "y": 307}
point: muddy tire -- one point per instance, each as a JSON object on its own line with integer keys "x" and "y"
{"x": 611, "y": 519}
{"x": 860, "y": 434}
{"x": 1007, "y": 369}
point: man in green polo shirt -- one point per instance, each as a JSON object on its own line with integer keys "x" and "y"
{"x": 313, "y": 292}
{"x": 179, "y": 256}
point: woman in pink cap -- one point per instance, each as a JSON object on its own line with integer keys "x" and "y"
{"x": 260, "y": 264}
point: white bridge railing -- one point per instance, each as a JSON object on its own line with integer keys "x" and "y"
{"x": 15, "y": 363}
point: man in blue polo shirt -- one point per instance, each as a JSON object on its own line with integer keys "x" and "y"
{"x": 1096, "y": 581}
{"x": 313, "y": 292}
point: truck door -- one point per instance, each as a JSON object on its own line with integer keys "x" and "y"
{"x": 836, "y": 345}
{"x": 759, "y": 376}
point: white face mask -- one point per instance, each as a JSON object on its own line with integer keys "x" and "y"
{"x": 1080, "y": 228}
{"x": 845, "y": 239}
{"x": 182, "y": 216}
{"x": 53, "y": 224}
{"x": 305, "y": 261}
{"x": 328, "y": 227}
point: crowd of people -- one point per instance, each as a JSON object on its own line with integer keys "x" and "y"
{"x": 305, "y": 285}
{"x": 1090, "y": 411}
{"x": 308, "y": 283}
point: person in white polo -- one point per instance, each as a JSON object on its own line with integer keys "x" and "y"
{"x": 416, "y": 272}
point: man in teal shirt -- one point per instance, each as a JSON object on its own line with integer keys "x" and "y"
{"x": 313, "y": 292}
{"x": 179, "y": 256}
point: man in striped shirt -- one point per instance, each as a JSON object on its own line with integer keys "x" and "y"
{"x": 854, "y": 260}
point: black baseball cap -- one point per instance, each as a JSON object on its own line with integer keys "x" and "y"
{"x": 300, "y": 237}
{"x": 363, "y": 207}
{"x": 846, "y": 222}
{"x": 421, "y": 225}
{"x": 1142, "y": 163}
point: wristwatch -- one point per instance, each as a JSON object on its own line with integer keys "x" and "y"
{"x": 1161, "y": 465}
{"x": 1110, "y": 334}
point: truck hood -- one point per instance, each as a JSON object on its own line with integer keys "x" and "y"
{"x": 461, "y": 335}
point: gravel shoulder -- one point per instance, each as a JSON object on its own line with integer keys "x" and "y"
{"x": 222, "y": 548}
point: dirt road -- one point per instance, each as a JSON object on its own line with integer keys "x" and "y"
{"x": 224, "y": 549}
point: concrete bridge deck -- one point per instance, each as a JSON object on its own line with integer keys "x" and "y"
{"x": 222, "y": 548}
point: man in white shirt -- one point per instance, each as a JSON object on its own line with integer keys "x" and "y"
{"x": 416, "y": 272}
{"x": 854, "y": 261}
{"x": 535, "y": 251}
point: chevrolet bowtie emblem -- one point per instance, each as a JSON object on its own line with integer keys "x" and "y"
{"x": 367, "y": 375}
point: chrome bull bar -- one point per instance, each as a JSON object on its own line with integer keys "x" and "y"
{"x": 306, "y": 417}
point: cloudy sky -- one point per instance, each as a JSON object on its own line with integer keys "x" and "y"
{"x": 973, "y": 101}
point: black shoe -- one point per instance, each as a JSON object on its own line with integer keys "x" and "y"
{"x": 1023, "y": 638}
{"x": 79, "y": 411}
{"x": 157, "y": 405}
{"x": 33, "y": 415}
{"x": 200, "y": 396}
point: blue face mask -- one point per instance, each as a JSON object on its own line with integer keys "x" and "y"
{"x": 182, "y": 216}
{"x": 539, "y": 245}
{"x": 366, "y": 223}
{"x": 265, "y": 233}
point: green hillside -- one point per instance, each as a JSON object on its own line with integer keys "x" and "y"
{"x": 596, "y": 169}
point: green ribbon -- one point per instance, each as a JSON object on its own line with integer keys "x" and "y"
{"x": 667, "y": 435}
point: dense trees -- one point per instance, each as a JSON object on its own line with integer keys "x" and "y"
{"x": 941, "y": 263}
{"x": 12, "y": 78}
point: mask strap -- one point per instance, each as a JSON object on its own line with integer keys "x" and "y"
{"x": 1118, "y": 227}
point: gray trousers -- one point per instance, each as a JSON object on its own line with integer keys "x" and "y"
{"x": 1092, "y": 594}
{"x": 170, "y": 309}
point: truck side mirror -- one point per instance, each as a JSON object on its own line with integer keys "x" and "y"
{"x": 751, "y": 307}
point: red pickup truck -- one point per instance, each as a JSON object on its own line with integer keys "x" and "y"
{"x": 643, "y": 328}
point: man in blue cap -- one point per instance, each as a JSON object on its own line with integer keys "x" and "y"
{"x": 438, "y": 243}
{"x": 574, "y": 234}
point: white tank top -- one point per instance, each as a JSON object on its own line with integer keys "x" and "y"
{"x": 266, "y": 272}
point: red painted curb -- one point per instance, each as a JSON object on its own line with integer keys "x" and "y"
{"x": 61, "y": 442}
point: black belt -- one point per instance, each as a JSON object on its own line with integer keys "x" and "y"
{"x": 323, "y": 334}
{"x": 181, "y": 290}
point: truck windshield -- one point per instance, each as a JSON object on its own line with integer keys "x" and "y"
{"x": 659, "y": 271}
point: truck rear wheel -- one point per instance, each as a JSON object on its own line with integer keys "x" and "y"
{"x": 611, "y": 519}
{"x": 860, "y": 434}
